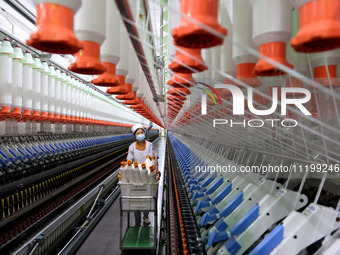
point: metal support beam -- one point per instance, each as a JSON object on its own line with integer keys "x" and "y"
{"x": 125, "y": 11}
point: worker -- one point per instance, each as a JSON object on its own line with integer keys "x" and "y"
{"x": 137, "y": 153}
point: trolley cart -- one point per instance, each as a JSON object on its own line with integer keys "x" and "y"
{"x": 143, "y": 237}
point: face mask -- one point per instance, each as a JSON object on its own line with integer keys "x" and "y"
{"x": 140, "y": 137}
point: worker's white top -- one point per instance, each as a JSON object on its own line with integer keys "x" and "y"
{"x": 137, "y": 154}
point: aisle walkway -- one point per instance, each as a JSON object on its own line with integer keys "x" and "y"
{"x": 104, "y": 238}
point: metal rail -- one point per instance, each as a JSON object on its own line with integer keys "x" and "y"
{"x": 93, "y": 219}
{"x": 60, "y": 223}
{"x": 190, "y": 235}
{"x": 125, "y": 11}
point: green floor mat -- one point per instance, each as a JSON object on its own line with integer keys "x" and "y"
{"x": 138, "y": 237}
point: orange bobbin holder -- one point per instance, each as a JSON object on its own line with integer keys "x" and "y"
{"x": 87, "y": 60}
{"x": 176, "y": 97}
{"x": 68, "y": 119}
{"x": 175, "y": 102}
{"x": 120, "y": 89}
{"x": 134, "y": 93}
{"x": 293, "y": 82}
{"x": 181, "y": 79}
{"x": 261, "y": 100}
{"x": 321, "y": 75}
{"x": 182, "y": 91}
{"x": 27, "y": 115}
{"x": 108, "y": 78}
{"x": 136, "y": 107}
{"x": 182, "y": 61}
{"x": 55, "y": 32}
{"x": 50, "y": 116}
{"x": 172, "y": 115}
{"x": 191, "y": 35}
{"x": 319, "y": 26}
{"x": 140, "y": 104}
{"x": 129, "y": 95}
{"x": 16, "y": 113}
{"x": 57, "y": 117}
{"x": 275, "y": 51}
{"x": 173, "y": 111}
{"x": 5, "y": 112}
{"x": 211, "y": 102}
{"x": 270, "y": 90}
{"x": 36, "y": 115}
{"x": 179, "y": 107}
{"x": 78, "y": 120}
{"x": 62, "y": 118}
{"x": 133, "y": 102}
{"x": 130, "y": 102}
{"x": 73, "y": 119}
{"x": 229, "y": 81}
{"x": 226, "y": 93}
{"x": 314, "y": 109}
{"x": 245, "y": 73}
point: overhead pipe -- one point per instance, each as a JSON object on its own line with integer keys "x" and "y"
{"x": 51, "y": 93}
{"x": 188, "y": 61}
{"x": 27, "y": 88}
{"x": 17, "y": 85}
{"x": 90, "y": 28}
{"x": 81, "y": 104}
{"x": 130, "y": 80}
{"x": 84, "y": 105}
{"x": 59, "y": 101}
{"x": 325, "y": 67}
{"x": 299, "y": 61}
{"x": 72, "y": 105}
{"x": 109, "y": 51}
{"x": 191, "y": 35}
{"x": 319, "y": 22}
{"x": 58, "y": 79}
{"x": 227, "y": 63}
{"x": 206, "y": 75}
{"x": 126, "y": 12}
{"x": 67, "y": 80}
{"x": 272, "y": 29}
{"x": 325, "y": 73}
{"x": 242, "y": 34}
{"x": 36, "y": 83}
{"x": 63, "y": 97}
{"x": 6, "y": 83}
{"x": 6, "y": 60}
{"x": 216, "y": 63}
{"x": 77, "y": 121}
{"x": 123, "y": 65}
{"x": 54, "y": 24}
